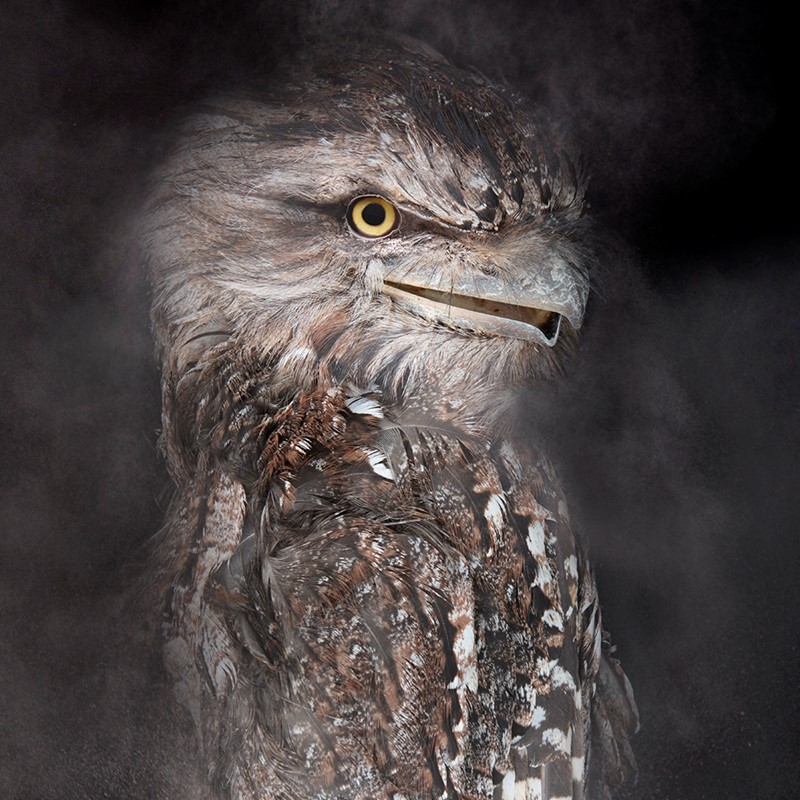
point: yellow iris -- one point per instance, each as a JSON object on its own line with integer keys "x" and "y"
{"x": 372, "y": 216}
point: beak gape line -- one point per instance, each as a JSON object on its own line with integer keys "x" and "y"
{"x": 488, "y": 315}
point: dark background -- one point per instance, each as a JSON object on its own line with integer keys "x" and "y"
{"x": 677, "y": 429}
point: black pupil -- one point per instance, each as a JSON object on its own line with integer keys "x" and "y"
{"x": 374, "y": 214}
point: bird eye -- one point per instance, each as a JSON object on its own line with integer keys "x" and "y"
{"x": 372, "y": 216}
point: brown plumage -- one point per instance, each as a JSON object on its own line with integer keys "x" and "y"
{"x": 368, "y": 580}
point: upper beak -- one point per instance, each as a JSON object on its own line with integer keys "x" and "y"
{"x": 523, "y": 303}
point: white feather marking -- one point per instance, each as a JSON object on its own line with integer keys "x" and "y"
{"x": 555, "y": 738}
{"x": 538, "y": 716}
{"x": 552, "y": 618}
{"x": 530, "y": 694}
{"x": 377, "y": 461}
{"x": 464, "y": 652}
{"x": 544, "y": 667}
{"x": 544, "y": 575}
{"x": 495, "y": 508}
{"x": 478, "y": 182}
{"x": 365, "y": 406}
{"x": 533, "y": 789}
{"x": 535, "y": 539}
{"x": 509, "y": 780}
{"x": 577, "y": 768}
{"x": 561, "y": 677}
{"x": 571, "y": 567}
{"x": 298, "y": 354}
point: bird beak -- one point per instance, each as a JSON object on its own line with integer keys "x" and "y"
{"x": 528, "y": 304}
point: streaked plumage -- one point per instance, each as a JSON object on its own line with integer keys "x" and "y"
{"x": 369, "y": 583}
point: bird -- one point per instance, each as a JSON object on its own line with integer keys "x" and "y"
{"x": 367, "y": 585}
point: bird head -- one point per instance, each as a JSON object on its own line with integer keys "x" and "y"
{"x": 374, "y": 215}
